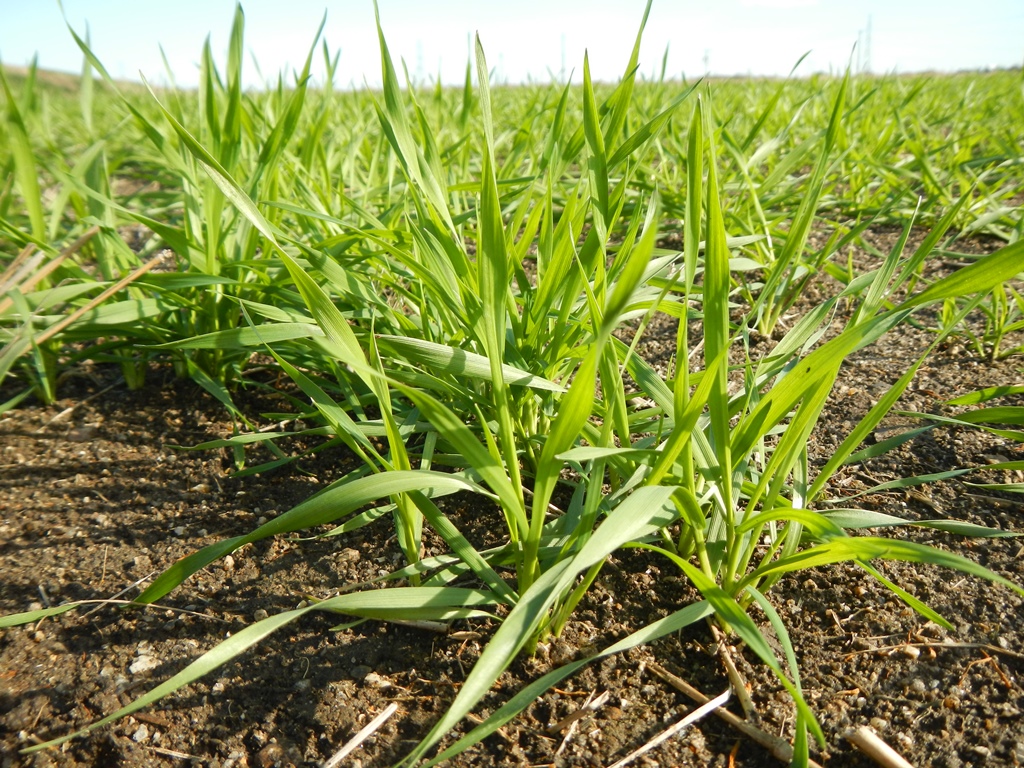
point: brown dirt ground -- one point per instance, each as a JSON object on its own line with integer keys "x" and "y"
{"x": 95, "y": 499}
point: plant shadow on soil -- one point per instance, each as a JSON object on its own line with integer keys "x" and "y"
{"x": 94, "y": 500}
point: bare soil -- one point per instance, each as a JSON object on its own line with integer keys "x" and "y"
{"x": 95, "y": 498}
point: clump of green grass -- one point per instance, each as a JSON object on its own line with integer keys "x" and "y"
{"x": 453, "y": 288}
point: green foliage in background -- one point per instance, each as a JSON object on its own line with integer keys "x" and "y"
{"x": 459, "y": 281}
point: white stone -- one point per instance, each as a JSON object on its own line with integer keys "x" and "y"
{"x": 143, "y": 663}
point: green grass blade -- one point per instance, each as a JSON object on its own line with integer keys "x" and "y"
{"x": 221, "y": 654}
{"x": 979, "y": 277}
{"x": 461, "y": 438}
{"x": 621, "y": 99}
{"x": 454, "y": 361}
{"x": 863, "y": 518}
{"x": 646, "y": 511}
{"x": 731, "y": 613}
{"x": 1003, "y": 414}
{"x": 25, "y": 168}
{"x": 919, "y": 606}
{"x": 681, "y": 619}
{"x": 30, "y": 617}
{"x": 395, "y": 123}
{"x": 329, "y": 505}
{"x": 865, "y": 427}
{"x": 244, "y": 338}
{"x": 462, "y": 549}
{"x": 411, "y": 603}
{"x": 717, "y": 283}
{"x": 866, "y": 548}
{"x": 984, "y": 395}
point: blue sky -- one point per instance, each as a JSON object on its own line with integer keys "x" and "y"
{"x": 525, "y": 39}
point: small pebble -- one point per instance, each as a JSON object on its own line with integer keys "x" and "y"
{"x": 349, "y": 555}
{"x": 375, "y": 680}
{"x": 82, "y": 434}
{"x": 270, "y": 755}
{"x": 143, "y": 663}
{"x": 994, "y": 458}
{"x": 260, "y": 614}
{"x": 141, "y": 734}
{"x": 905, "y": 740}
{"x": 360, "y": 671}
